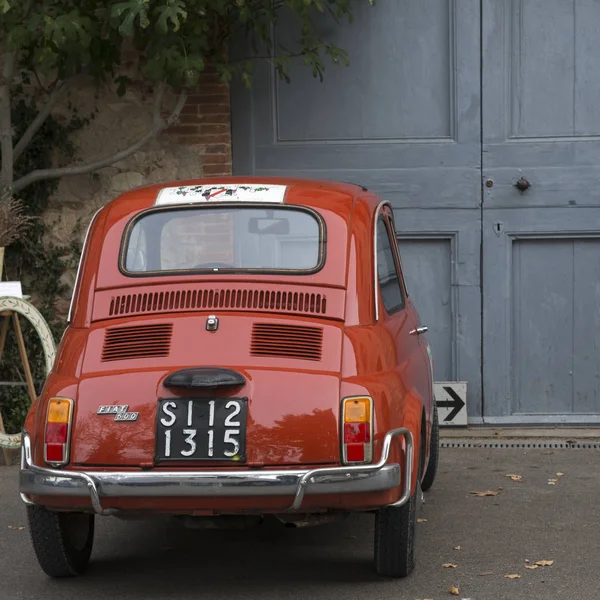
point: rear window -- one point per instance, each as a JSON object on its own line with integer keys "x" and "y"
{"x": 224, "y": 239}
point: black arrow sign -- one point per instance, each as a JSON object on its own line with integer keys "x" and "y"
{"x": 457, "y": 403}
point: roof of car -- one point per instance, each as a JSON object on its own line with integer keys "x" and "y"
{"x": 298, "y": 191}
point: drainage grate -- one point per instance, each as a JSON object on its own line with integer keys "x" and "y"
{"x": 566, "y": 445}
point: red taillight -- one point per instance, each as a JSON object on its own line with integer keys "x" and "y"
{"x": 55, "y": 453}
{"x": 357, "y": 427}
{"x": 357, "y": 433}
{"x": 58, "y": 427}
{"x": 56, "y": 433}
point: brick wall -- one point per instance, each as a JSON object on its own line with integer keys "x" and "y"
{"x": 206, "y": 122}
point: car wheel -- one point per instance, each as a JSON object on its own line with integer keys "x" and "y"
{"x": 434, "y": 453}
{"x": 62, "y": 541}
{"x": 395, "y": 528}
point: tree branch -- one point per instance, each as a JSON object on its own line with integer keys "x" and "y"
{"x": 42, "y": 115}
{"x": 158, "y": 125}
{"x": 6, "y": 144}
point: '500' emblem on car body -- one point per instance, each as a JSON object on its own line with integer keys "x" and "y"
{"x": 120, "y": 412}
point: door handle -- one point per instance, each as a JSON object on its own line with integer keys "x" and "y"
{"x": 522, "y": 184}
{"x": 419, "y": 331}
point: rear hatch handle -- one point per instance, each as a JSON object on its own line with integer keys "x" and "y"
{"x": 204, "y": 377}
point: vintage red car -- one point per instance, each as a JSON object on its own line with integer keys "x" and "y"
{"x": 236, "y": 349}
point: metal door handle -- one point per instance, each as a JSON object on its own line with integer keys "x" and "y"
{"x": 419, "y": 331}
{"x": 522, "y": 184}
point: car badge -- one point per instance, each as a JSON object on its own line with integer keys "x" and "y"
{"x": 120, "y": 412}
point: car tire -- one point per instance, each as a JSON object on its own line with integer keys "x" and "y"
{"x": 434, "y": 453}
{"x": 62, "y": 541}
{"x": 395, "y": 532}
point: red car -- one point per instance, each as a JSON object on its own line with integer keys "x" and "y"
{"x": 236, "y": 350}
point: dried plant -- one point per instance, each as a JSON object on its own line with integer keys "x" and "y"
{"x": 13, "y": 220}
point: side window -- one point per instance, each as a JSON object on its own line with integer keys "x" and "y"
{"x": 387, "y": 274}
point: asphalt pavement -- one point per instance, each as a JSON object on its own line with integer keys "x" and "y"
{"x": 531, "y": 519}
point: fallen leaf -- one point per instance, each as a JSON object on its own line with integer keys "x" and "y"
{"x": 17, "y": 527}
{"x": 486, "y": 573}
{"x": 454, "y": 590}
{"x": 560, "y": 474}
{"x": 421, "y": 520}
{"x": 544, "y": 563}
{"x": 526, "y": 560}
{"x": 513, "y": 576}
{"x": 515, "y": 477}
{"x": 531, "y": 566}
{"x": 552, "y": 481}
{"x": 449, "y": 566}
{"x": 457, "y": 547}
{"x": 487, "y": 493}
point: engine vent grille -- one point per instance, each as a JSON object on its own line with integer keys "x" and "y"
{"x": 290, "y": 341}
{"x": 141, "y": 341}
{"x": 152, "y": 302}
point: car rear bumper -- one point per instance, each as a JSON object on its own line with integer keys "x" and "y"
{"x": 98, "y": 485}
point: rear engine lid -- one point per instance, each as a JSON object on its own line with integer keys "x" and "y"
{"x": 283, "y": 410}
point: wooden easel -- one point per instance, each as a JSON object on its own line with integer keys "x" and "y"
{"x": 9, "y": 315}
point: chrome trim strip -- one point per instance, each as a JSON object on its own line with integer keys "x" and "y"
{"x": 381, "y": 476}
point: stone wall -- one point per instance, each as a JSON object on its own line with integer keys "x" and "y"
{"x": 198, "y": 145}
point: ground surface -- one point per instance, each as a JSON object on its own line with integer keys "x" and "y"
{"x": 527, "y": 520}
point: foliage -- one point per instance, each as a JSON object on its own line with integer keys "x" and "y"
{"x": 51, "y": 44}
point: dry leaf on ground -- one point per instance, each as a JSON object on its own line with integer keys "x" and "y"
{"x": 487, "y": 493}
{"x": 515, "y": 477}
{"x": 512, "y": 576}
{"x": 544, "y": 563}
{"x": 449, "y": 566}
{"x": 421, "y": 520}
{"x": 526, "y": 560}
{"x": 560, "y": 474}
{"x": 17, "y": 527}
{"x": 454, "y": 590}
{"x": 552, "y": 481}
{"x": 531, "y": 566}
{"x": 457, "y": 547}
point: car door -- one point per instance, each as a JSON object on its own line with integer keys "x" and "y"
{"x": 413, "y": 341}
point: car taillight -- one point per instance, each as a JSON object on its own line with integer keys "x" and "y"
{"x": 58, "y": 431}
{"x": 357, "y": 430}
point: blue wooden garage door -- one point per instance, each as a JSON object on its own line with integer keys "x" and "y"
{"x": 406, "y": 120}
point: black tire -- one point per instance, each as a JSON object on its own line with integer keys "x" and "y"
{"x": 434, "y": 453}
{"x": 395, "y": 529}
{"x": 62, "y": 541}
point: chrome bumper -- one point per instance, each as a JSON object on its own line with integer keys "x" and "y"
{"x": 96, "y": 485}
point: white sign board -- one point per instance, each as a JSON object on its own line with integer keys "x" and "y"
{"x": 251, "y": 192}
{"x": 451, "y": 401}
{"x": 11, "y": 288}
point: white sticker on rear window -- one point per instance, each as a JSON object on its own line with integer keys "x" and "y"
{"x": 185, "y": 194}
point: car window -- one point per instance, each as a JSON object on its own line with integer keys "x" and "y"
{"x": 387, "y": 274}
{"x": 225, "y": 238}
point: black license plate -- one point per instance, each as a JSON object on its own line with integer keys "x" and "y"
{"x": 210, "y": 429}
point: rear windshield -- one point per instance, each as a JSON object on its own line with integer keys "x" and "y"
{"x": 225, "y": 238}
